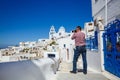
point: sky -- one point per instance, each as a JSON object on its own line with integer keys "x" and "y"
{"x": 30, "y": 20}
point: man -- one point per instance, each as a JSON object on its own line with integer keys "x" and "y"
{"x": 80, "y": 49}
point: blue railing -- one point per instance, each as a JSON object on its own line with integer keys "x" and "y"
{"x": 92, "y": 42}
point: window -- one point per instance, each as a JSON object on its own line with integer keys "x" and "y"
{"x": 69, "y": 35}
{"x": 90, "y": 24}
{"x": 118, "y": 42}
{"x": 96, "y": 1}
{"x": 59, "y": 34}
{"x": 118, "y": 17}
{"x": 64, "y": 45}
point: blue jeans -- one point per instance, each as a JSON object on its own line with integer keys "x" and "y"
{"x": 80, "y": 50}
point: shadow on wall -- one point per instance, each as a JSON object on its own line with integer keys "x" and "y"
{"x": 22, "y": 70}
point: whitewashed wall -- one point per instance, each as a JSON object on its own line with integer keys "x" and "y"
{"x": 69, "y": 45}
{"x": 94, "y": 60}
{"x": 27, "y": 70}
{"x": 113, "y": 11}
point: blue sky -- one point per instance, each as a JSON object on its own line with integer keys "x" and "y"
{"x": 29, "y": 20}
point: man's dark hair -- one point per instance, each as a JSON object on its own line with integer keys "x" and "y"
{"x": 79, "y": 27}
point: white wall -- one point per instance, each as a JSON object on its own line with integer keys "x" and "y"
{"x": 41, "y": 69}
{"x": 113, "y": 9}
{"x": 94, "y": 60}
{"x": 66, "y": 41}
{"x": 96, "y": 7}
{"x": 69, "y": 45}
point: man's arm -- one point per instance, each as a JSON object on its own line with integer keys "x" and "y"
{"x": 73, "y": 36}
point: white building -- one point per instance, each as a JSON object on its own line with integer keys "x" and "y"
{"x": 89, "y": 29}
{"x": 43, "y": 42}
{"x": 27, "y": 44}
{"x": 107, "y": 10}
{"x": 63, "y": 39}
{"x": 15, "y": 49}
{"x": 103, "y": 12}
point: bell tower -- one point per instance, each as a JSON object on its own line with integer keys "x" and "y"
{"x": 52, "y": 32}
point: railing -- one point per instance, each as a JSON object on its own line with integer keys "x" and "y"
{"x": 92, "y": 42}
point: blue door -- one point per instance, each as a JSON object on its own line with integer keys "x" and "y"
{"x": 111, "y": 40}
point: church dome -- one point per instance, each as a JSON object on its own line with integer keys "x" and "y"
{"x": 62, "y": 29}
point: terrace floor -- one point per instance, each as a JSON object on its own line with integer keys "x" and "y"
{"x": 64, "y": 74}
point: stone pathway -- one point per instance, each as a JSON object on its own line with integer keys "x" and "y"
{"x": 63, "y": 74}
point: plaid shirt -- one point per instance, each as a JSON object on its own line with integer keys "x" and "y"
{"x": 79, "y": 38}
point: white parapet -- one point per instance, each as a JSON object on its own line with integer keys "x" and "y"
{"x": 55, "y": 57}
{"x": 41, "y": 69}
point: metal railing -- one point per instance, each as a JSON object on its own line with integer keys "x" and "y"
{"x": 92, "y": 42}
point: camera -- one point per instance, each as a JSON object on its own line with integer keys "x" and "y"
{"x": 74, "y": 31}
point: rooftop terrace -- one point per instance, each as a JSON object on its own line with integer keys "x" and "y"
{"x": 43, "y": 69}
